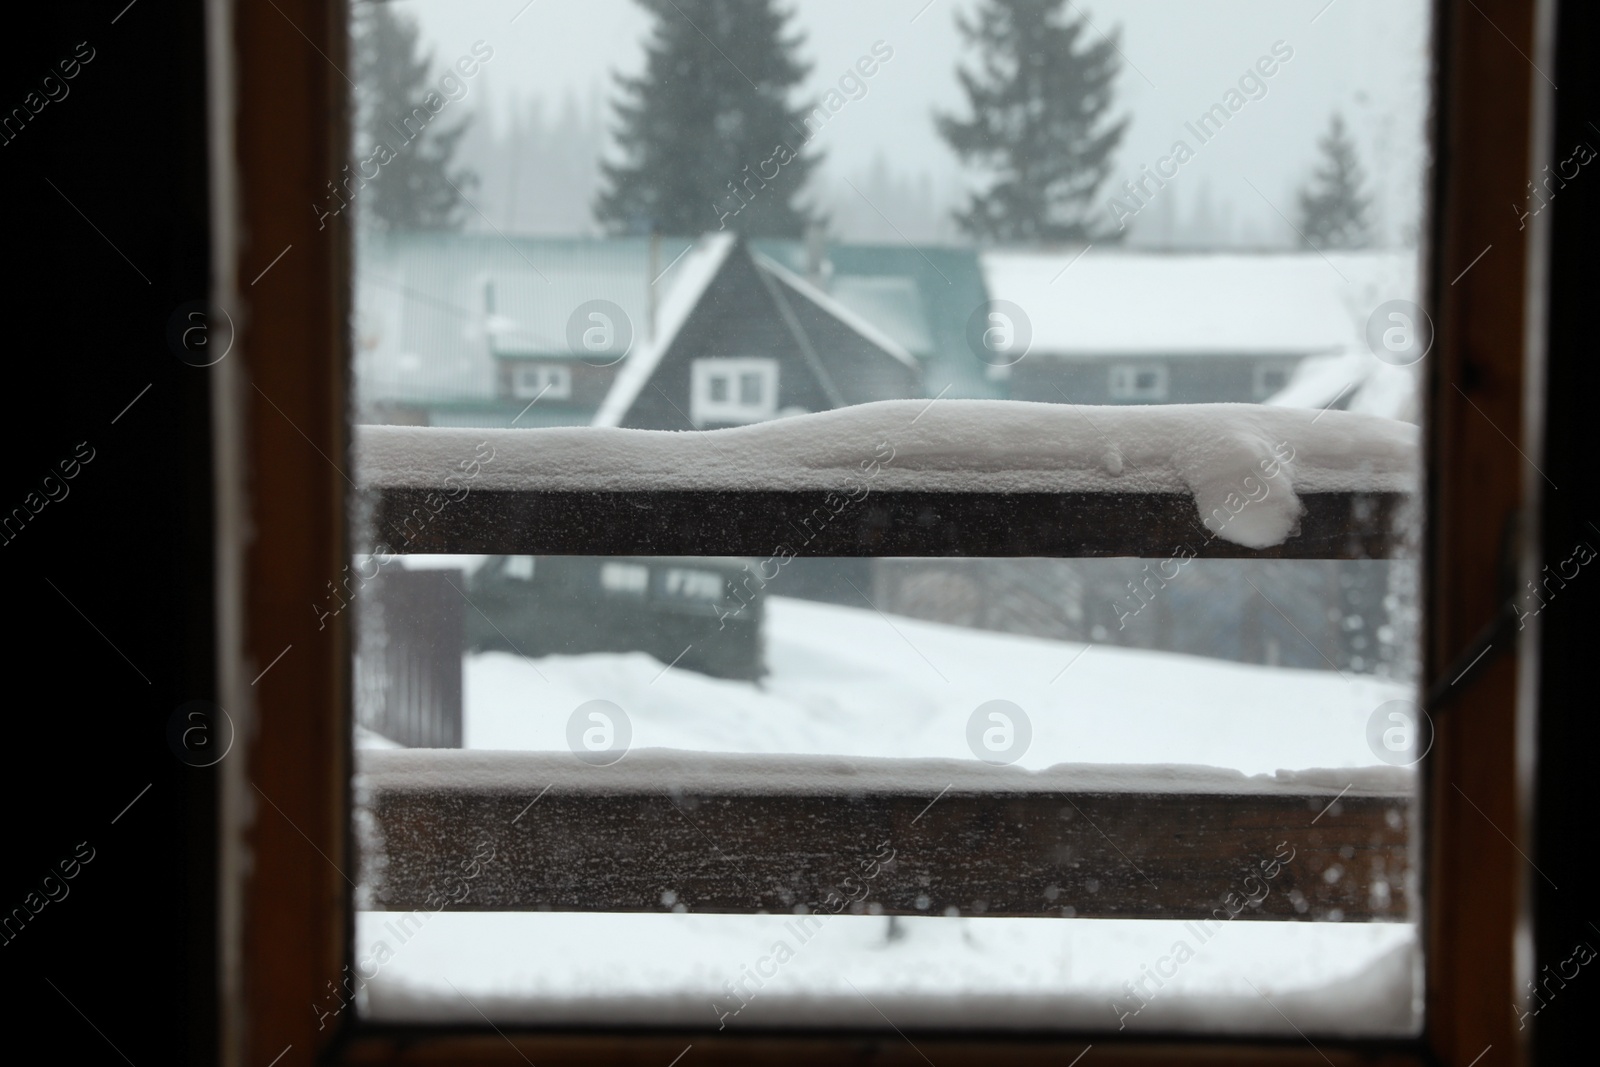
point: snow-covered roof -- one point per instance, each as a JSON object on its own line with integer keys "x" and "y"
{"x": 695, "y": 272}
{"x": 1113, "y": 303}
{"x": 836, "y": 309}
{"x": 1352, "y": 381}
{"x": 433, "y": 308}
{"x": 1210, "y": 451}
{"x": 893, "y": 303}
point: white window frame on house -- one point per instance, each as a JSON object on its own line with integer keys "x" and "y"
{"x": 705, "y": 406}
{"x": 693, "y": 585}
{"x": 550, "y": 380}
{"x": 621, "y": 578}
{"x": 1123, "y": 381}
{"x": 1258, "y": 382}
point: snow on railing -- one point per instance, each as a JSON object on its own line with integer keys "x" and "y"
{"x": 956, "y": 477}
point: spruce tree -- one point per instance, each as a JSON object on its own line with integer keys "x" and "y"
{"x": 707, "y": 135}
{"x": 1038, "y": 127}
{"x": 412, "y": 189}
{"x": 1334, "y": 209}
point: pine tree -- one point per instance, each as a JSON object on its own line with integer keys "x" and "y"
{"x": 397, "y": 107}
{"x": 1334, "y": 211}
{"x": 1039, "y": 103}
{"x": 707, "y": 134}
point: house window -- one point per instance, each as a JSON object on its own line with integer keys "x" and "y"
{"x": 628, "y": 578}
{"x": 553, "y": 382}
{"x": 519, "y": 567}
{"x": 752, "y": 388}
{"x": 687, "y": 584}
{"x": 1270, "y": 379}
{"x": 732, "y": 390}
{"x": 1138, "y": 381}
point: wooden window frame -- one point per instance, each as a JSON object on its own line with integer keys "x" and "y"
{"x": 281, "y": 448}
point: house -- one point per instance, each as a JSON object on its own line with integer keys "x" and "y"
{"x": 700, "y": 614}
{"x": 922, "y": 296}
{"x": 1355, "y": 379}
{"x": 456, "y": 329}
{"x": 742, "y": 338}
{"x": 1149, "y": 327}
{"x": 463, "y": 329}
{"x": 1153, "y": 328}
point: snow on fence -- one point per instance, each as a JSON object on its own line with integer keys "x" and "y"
{"x": 742, "y": 834}
{"x": 918, "y": 478}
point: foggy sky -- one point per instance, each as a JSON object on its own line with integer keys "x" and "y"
{"x": 1367, "y": 58}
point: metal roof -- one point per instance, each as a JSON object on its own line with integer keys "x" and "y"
{"x": 893, "y": 304}
{"x": 435, "y": 311}
{"x": 1126, "y": 304}
{"x": 950, "y": 287}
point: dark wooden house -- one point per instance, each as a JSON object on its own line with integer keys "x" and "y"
{"x": 743, "y": 339}
{"x": 702, "y": 614}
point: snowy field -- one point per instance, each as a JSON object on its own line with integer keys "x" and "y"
{"x": 849, "y": 682}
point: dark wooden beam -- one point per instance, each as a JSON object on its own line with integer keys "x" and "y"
{"x": 390, "y": 1045}
{"x": 890, "y": 523}
{"x": 1480, "y": 478}
{"x": 1086, "y": 854}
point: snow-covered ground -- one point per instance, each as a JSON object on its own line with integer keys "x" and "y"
{"x": 852, "y": 682}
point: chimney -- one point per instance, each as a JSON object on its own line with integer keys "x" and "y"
{"x": 818, "y": 269}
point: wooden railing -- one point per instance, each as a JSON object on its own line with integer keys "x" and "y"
{"x": 573, "y": 838}
{"x": 1073, "y": 850}
{"x": 883, "y": 523}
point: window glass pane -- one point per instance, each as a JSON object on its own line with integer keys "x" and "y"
{"x": 1130, "y": 253}
{"x": 750, "y": 389}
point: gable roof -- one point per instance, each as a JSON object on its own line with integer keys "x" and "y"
{"x": 836, "y": 309}
{"x": 695, "y": 272}
{"x": 699, "y": 271}
{"x": 949, "y": 285}
{"x": 893, "y": 303}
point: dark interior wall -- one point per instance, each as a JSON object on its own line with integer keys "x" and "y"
{"x": 107, "y": 586}
{"x": 1569, "y": 729}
